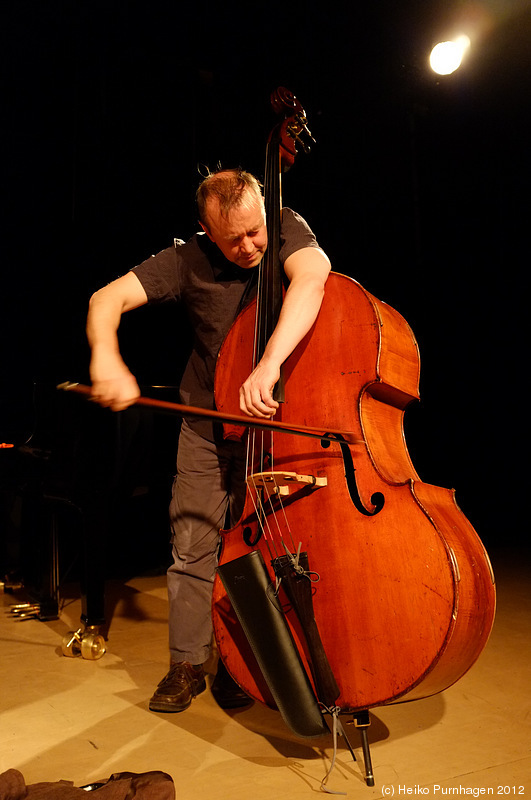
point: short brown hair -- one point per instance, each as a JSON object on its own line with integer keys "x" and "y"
{"x": 229, "y": 187}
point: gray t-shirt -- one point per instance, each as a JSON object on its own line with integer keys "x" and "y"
{"x": 213, "y": 291}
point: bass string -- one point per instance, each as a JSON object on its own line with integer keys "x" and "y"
{"x": 272, "y": 521}
{"x": 268, "y": 517}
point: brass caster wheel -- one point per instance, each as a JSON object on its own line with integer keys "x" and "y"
{"x": 92, "y": 646}
{"x": 87, "y": 643}
{"x": 71, "y": 644}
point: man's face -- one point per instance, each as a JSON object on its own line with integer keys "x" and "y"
{"x": 241, "y": 235}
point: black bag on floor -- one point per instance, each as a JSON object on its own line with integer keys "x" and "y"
{"x": 152, "y": 785}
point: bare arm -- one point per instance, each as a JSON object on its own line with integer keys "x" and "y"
{"x": 113, "y": 384}
{"x": 307, "y": 271}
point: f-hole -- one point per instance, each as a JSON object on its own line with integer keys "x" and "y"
{"x": 377, "y": 499}
{"x": 248, "y": 538}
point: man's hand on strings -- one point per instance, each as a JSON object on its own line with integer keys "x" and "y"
{"x": 256, "y": 394}
{"x": 307, "y": 270}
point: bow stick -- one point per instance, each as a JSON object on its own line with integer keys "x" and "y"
{"x": 248, "y": 422}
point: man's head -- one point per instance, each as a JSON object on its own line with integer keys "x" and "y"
{"x": 231, "y": 212}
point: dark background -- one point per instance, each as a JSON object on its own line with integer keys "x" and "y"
{"x": 417, "y": 187}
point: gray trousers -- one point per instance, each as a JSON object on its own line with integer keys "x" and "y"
{"x": 210, "y": 482}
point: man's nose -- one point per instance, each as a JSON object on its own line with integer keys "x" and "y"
{"x": 247, "y": 245}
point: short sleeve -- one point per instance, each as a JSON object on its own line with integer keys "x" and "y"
{"x": 159, "y": 275}
{"x": 295, "y": 234}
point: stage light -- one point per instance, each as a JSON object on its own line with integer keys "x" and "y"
{"x": 446, "y": 57}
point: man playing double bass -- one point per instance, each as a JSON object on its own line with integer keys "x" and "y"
{"x": 213, "y": 276}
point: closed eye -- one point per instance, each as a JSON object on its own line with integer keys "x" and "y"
{"x": 249, "y": 234}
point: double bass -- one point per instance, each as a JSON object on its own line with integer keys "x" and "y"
{"x": 378, "y": 588}
{"x": 348, "y": 583}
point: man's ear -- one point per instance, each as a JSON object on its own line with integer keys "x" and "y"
{"x": 206, "y": 231}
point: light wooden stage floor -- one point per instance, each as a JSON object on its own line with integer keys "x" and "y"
{"x": 79, "y": 720}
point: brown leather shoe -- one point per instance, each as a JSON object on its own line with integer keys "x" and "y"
{"x": 177, "y": 689}
{"x": 226, "y": 691}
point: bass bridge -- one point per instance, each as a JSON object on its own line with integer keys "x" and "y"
{"x": 282, "y": 483}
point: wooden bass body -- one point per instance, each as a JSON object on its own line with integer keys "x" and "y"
{"x": 405, "y": 599}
